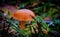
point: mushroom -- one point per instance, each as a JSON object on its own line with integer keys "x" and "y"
{"x": 23, "y": 15}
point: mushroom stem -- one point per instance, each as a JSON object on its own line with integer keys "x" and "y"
{"x": 22, "y": 26}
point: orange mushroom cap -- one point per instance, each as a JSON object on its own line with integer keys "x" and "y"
{"x": 24, "y": 15}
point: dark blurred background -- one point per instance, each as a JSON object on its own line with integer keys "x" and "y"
{"x": 14, "y": 2}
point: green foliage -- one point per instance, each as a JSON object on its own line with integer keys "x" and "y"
{"x": 39, "y": 10}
